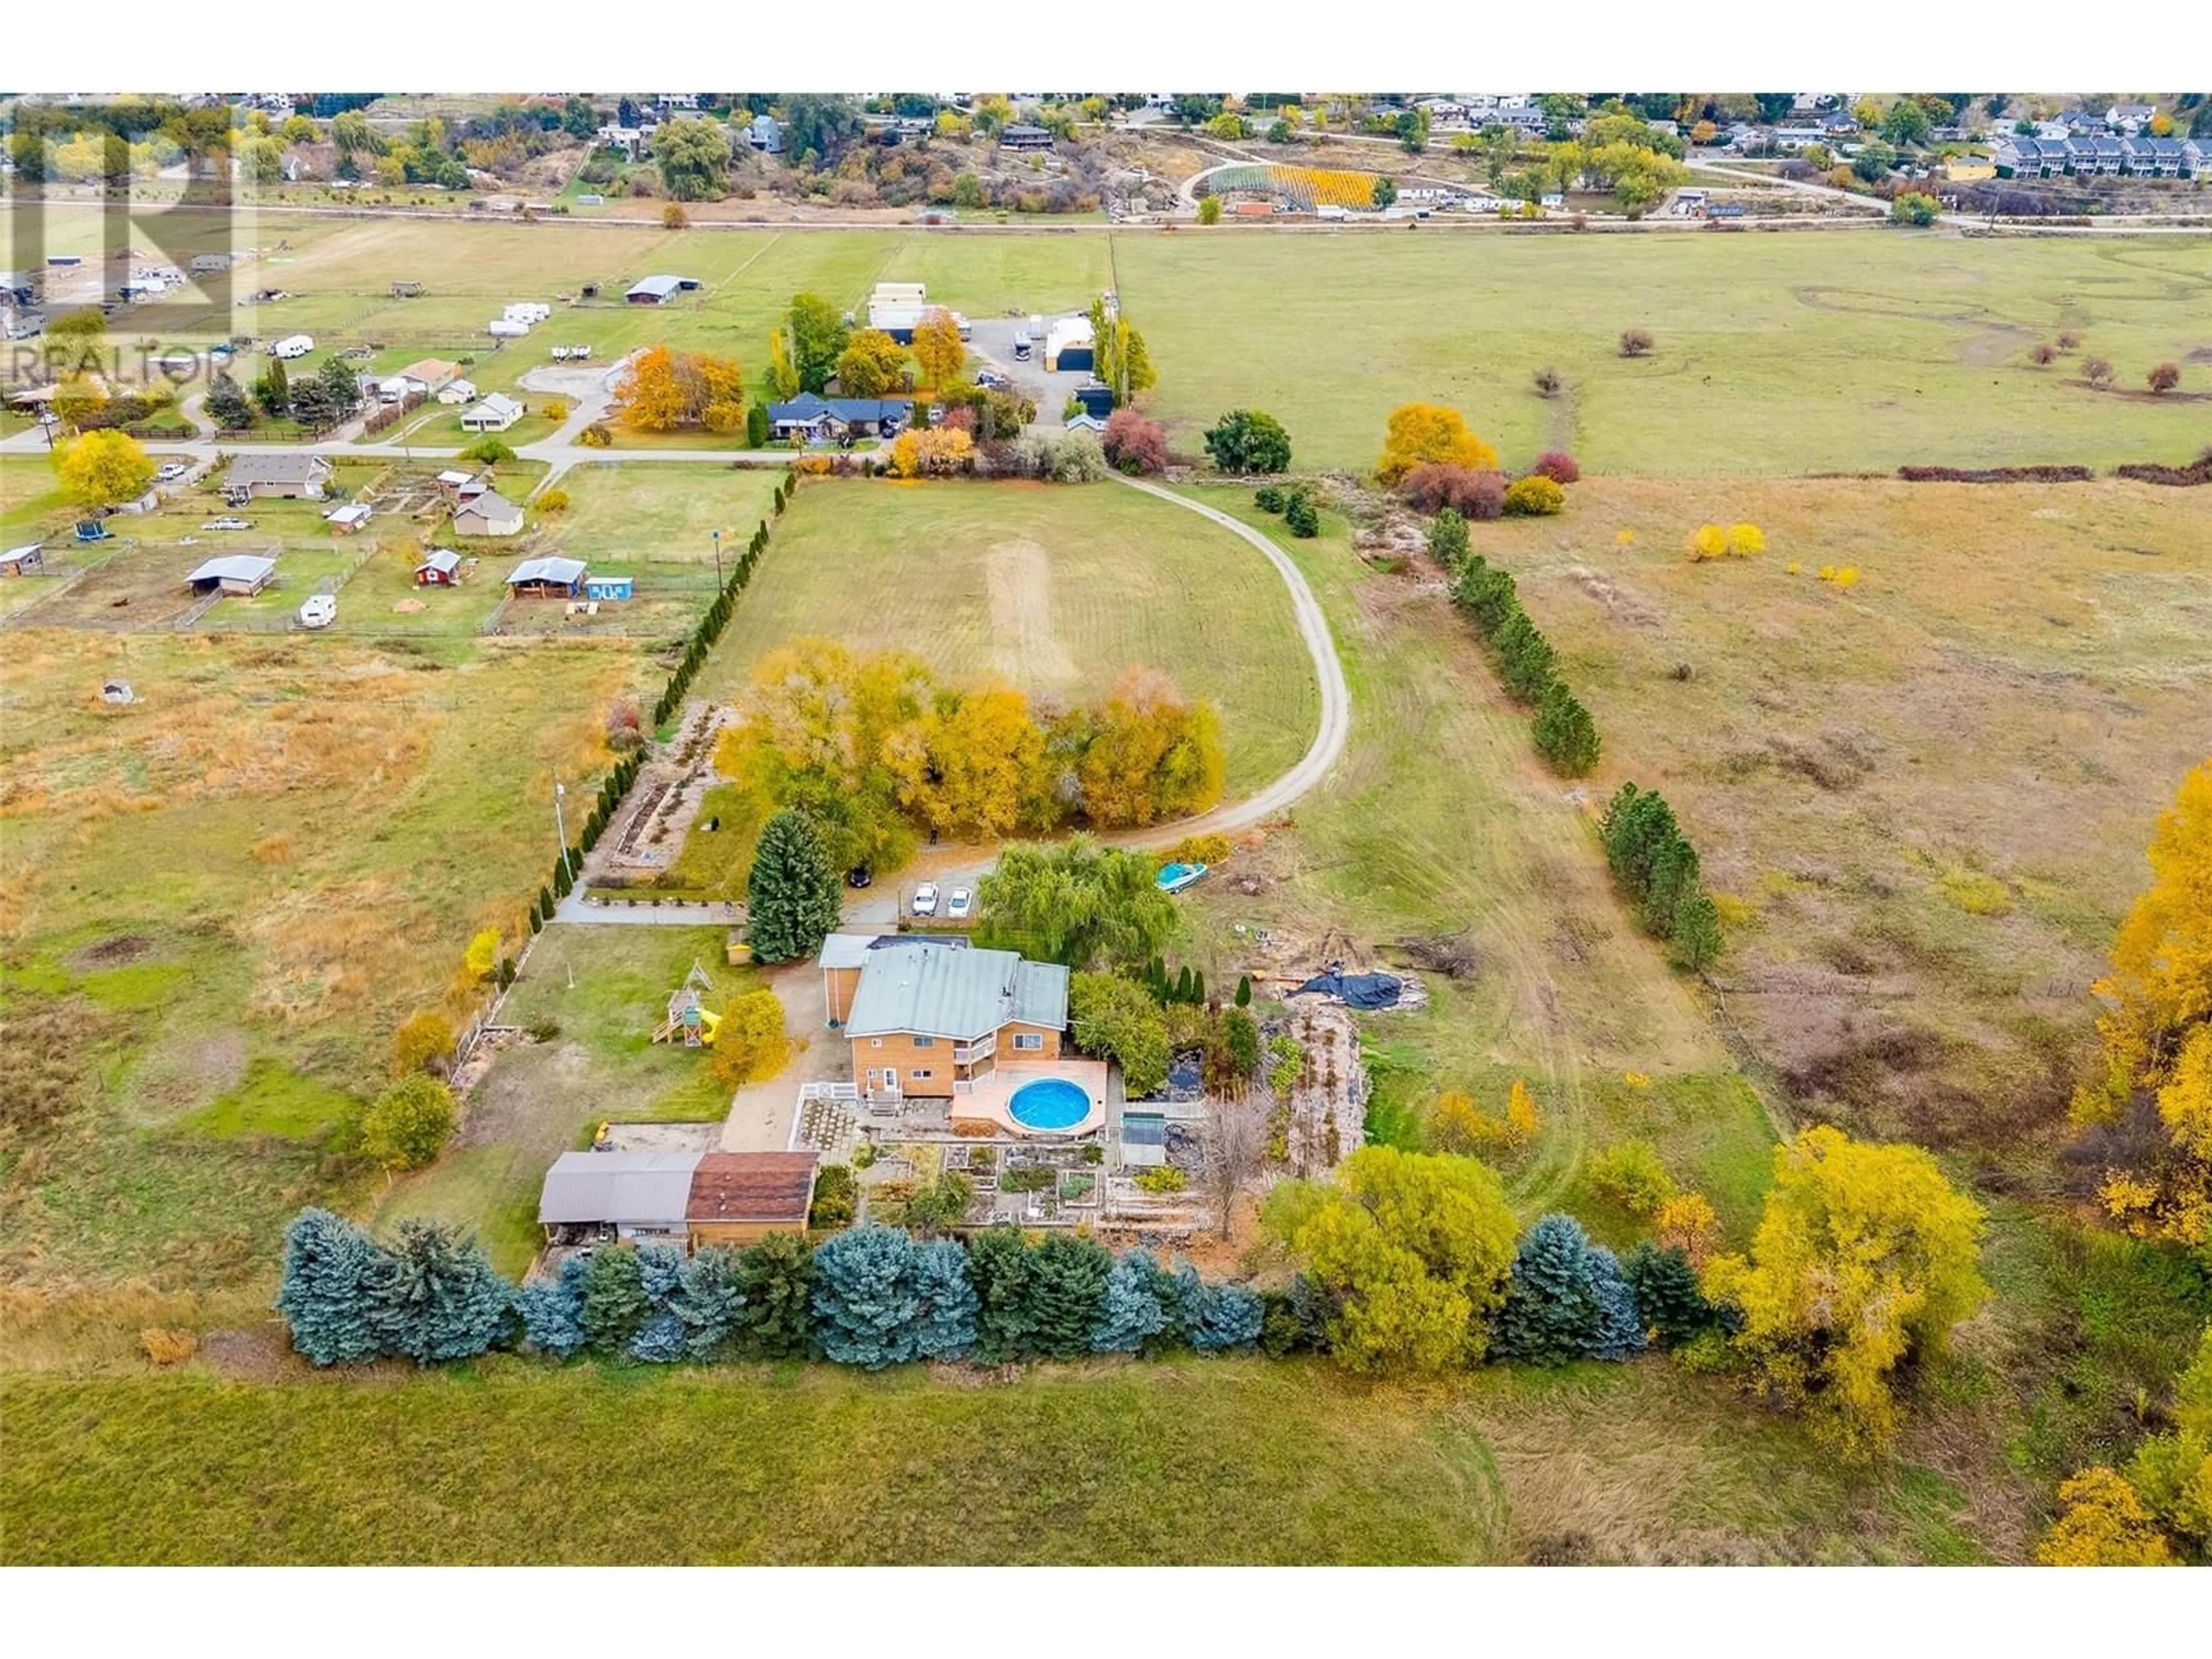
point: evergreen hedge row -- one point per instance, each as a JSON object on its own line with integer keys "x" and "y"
{"x": 1649, "y": 856}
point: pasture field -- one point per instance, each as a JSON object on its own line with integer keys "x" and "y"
{"x": 1055, "y": 588}
{"x": 1777, "y": 353}
{"x": 1926, "y": 796}
{"x": 593, "y": 997}
{"x": 1201, "y": 1461}
{"x": 216, "y": 903}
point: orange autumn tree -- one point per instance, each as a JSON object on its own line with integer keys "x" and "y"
{"x": 1418, "y": 433}
{"x": 663, "y": 390}
{"x": 2156, "y": 1030}
{"x": 1149, "y": 754}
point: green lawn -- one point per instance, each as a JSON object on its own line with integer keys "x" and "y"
{"x": 1057, "y": 589}
{"x": 663, "y": 512}
{"x": 1194, "y": 1461}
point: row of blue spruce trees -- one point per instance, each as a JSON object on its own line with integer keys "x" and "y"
{"x": 872, "y": 1296}
{"x": 875, "y": 1297}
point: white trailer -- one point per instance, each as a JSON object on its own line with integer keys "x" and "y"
{"x": 505, "y": 328}
{"x": 528, "y": 311}
{"x": 293, "y": 345}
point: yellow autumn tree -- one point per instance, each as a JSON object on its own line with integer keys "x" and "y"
{"x": 1458, "y": 1125}
{"x": 1687, "y": 1222}
{"x": 750, "y": 1043}
{"x": 1150, "y": 754}
{"x": 969, "y": 768}
{"x": 2156, "y": 1029}
{"x": 782, "y": 375}
{"x": 1418, "y": 433}
{"x": 1520, "y": 1114}
{"x": 481, "y": 960}
{"x": 422, "y": 1040}
{"x": 873, "y": 365}
{"x": 2104, "y": 1525}
{"x": 1864, "y": 1255}
{"x": 103, "y": 467}
{"x": 1745, "y": 539}
{"x": 939, "y": 349}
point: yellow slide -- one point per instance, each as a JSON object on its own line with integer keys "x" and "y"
{"x": 708, "y": 1019}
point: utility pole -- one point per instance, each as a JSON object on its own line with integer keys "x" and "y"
{"x": 560, "y": 825}
{"x": 718, "y": 561}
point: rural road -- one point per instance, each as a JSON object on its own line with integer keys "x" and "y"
{"x": 961, "y": 864}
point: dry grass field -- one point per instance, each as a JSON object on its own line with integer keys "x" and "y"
{"x": 1926, "y": 796}
{"x": 216, "y": 902}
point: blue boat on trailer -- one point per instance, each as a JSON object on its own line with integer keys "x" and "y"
{"x": 1174, "y": 878}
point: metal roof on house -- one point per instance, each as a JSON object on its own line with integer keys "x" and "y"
{"x": 751, "y": 1187}
{"x": 963, "y": 994}
{"x": 807, "y": 407}
{"x": 498, "y": 404}
{"x": 443, "y": 560}
{"x": 279, "y": 470}
{"x": 233, "y": 568}
{"x": 659, "y": 288}
{"x": 493, "y": 505}
{"x": 623, "y": 1188}
{"x": 565, "y": 572}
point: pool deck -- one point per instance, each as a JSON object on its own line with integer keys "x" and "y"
{"x": 991, "y": 1095}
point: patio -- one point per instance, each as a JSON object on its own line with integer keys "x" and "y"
{"x": 990, "y": 1100}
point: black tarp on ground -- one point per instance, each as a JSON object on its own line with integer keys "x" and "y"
{"x": 1354, "y": 990}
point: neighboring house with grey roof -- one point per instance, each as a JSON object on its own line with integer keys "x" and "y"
{"x": 632, "y": 1195}
{"x": 260, "y": 477}
{"x": 929, "y": 1019}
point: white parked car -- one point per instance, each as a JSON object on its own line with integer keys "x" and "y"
{"x": 925, "y": 899}
{"x": 227, "y": 524}
{"x": 960, "y": 905}
{"x": 170, "y": 472}
{"x": 320, "y": 610}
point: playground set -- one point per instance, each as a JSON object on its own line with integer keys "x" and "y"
{"x": 688, "y": 1020}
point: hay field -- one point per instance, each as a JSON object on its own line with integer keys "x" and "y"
{"x": 1777, "y": 353}
{"x": 1931, "y": 794}
{"x": 1055, "y": 588}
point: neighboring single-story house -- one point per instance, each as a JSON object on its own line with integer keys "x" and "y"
{"x": 738, "y": 1198}
{"x": 548, "y": 578}
{"x": 815, "y": 418}
{"x": 609, "y": 588}
{"x": 1087, "y": 421}
{"x": 489, "y": 514}
{"x": 1021, "y": 137}
{"x": 349, "y": 517}
{"x": 765, "y": 135}
{"x": 494, "y": 414}
{"x": 643, "y": 1196}
{"x": 241, "y": 573}
{"x": 289, "y": 477}
{"x": 660, "y": 290}
{"x": 22, "y": 561}
{"x": 460, "y": 391}
{"x": 440, "y": 568}
{"x": 928, "y": 1020}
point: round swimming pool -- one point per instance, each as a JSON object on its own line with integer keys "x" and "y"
{"x": 1050, "y": 1103}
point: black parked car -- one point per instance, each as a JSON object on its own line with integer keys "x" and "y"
{"x": 859, "y": 875}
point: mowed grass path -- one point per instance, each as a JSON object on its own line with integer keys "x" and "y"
{"x": 1056, "y": 589}
{"x": 1783, "y": 353}
{"x": 1192, "y": 1461}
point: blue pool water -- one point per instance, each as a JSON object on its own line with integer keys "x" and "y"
{"x": 1051, "y": 1102}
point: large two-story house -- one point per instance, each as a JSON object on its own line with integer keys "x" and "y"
{"x": 931, "y": 1018}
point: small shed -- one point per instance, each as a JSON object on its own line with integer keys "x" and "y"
{"x": 22, "y": 561}
{"x": 609, "y": 588}
{"x": 460, "y": 391}
{"x": 407, "y": 290}
{"x": 454, "y": 478}
{"x": 738, "y": 1198}
{"x": 489, "y": 514}
{"x": 1068, "y": 346}
{"x": 656, "y": 291}
{"x": 547, "y": 578}
{"x": 1096, "y": 398}
{"x": 765, "y": 135}
{"x": 349, "y": 517}
{"x": 440, "y": 568}
{"x": 241, "y": 574}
